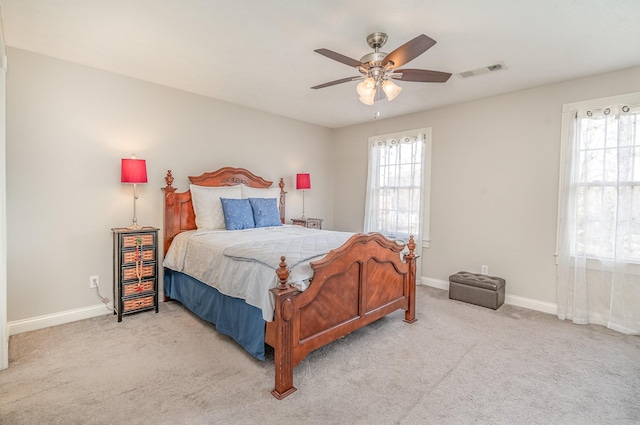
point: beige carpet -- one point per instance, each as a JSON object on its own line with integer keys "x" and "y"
{"x": 459, "y": 364}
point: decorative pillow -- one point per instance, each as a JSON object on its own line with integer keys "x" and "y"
{"x": 265, "y": 212}
{"x": 237, "y": 214}
{"x": 207, "y": 206}
{"x": 255, "y": 192}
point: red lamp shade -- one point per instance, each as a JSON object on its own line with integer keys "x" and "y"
{"x": 303, "y": 181}
{"x": 134, "y": 171}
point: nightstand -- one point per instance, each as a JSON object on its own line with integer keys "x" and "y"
{"x": 135, "y": 283}
{"x": 312, "y": 223}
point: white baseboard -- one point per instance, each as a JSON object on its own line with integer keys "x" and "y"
{"x": 531, "y": 304}
{"x": 516, "y": 300}
{"x": 434, "y": 283}
{"x": 40, "y": 322}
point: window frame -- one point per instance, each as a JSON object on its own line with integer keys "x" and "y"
{"x": 424, "y": 187}
{"x": 570, "y": 117}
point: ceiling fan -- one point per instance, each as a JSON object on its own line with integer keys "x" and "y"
{"x": 378, "y": 69}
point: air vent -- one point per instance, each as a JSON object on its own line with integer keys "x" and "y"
{"x": 482, "y": 70}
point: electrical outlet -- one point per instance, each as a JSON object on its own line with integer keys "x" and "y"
{"x": 94, "y": 281}
{"x": 484, "y": 269}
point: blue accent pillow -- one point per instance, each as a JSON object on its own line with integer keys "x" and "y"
{"x": 265, "y": 212}
{"x": 237, "y": 214}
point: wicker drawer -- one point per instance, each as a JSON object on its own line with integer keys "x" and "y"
{"x": 147, "y": 239}
{"x": 148, "y": 270}
{"x": 148, "y": 254}
{"x": 138, "y": 303}
{"x": 138, "y": 288}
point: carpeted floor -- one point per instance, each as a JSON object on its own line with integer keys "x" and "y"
{"x": 459, "y": 364}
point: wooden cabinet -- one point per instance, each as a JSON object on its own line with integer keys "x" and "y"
{"x": 312, "y": 223}
{"x": 135, "y": 270}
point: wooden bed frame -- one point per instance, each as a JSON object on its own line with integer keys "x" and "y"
{"x": 360, "y": 282}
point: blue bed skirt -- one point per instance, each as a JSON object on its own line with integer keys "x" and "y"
{"x": 231, "y": 316}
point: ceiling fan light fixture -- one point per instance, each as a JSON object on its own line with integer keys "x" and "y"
{"x": 391, "y": 89}
{"x": 366, "y": 87}
{"x": 370, "y": 99}
{"x": 377, "y": 68}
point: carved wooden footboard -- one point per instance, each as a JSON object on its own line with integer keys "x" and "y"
{"x": 352, "y": 286}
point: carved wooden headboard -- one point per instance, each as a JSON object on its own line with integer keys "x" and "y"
{"x": 178, "y": 209}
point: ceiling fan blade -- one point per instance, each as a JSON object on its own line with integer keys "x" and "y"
{"x": 338, "y": 57}
{"x": 421, "y": 75}
{"x": 409, "y": 51}
{"x": 340, "y": 81}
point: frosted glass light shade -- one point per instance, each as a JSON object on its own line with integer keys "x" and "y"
{"x": 391, "y": 89}
{"x": 368, "y": 100}
{"x": 365, "y": 87}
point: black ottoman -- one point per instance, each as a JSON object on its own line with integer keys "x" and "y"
{"x": 478, "y": 289}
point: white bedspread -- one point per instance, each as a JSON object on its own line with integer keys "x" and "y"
{"x": 242, "y": 263}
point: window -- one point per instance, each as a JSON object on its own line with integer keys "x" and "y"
{"x": 598, "y": 279}
{"x": 608, "y": 183}
{"x": 398, "y": 170}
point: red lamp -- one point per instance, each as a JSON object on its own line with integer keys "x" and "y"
{"x": 134, "y": 171}
{"x": 303, "y": 182}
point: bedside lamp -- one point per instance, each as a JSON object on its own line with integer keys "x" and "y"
{"x": 303, "y": 182}
{"x": 134, "y": 171}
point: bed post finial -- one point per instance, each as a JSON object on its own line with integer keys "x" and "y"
{"x": 169, "y": 179}
{"x": 283, "y": 274}
{"x": 412, "y": 246}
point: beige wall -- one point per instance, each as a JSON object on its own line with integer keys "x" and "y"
{"x": 494, "y": 180}
{"x": 68, "y": 126}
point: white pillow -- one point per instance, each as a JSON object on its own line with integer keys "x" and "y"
{"x": 256, "y": 192}
{"x": 207, "y": 205}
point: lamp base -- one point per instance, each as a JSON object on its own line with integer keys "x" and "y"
{"x": 134, "y": 224}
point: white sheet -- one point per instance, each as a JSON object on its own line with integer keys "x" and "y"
{"x": 200, "y": 254}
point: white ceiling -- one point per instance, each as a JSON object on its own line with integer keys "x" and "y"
{"x": 260, "y": 53}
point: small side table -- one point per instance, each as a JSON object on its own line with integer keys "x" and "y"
{"x": 135, "y": 270}
{"x": 312, "y": 223}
